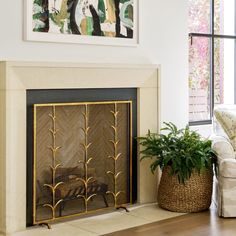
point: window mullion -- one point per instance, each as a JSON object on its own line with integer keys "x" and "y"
{"x": 210, "y": 35}
{"x": 212, "y": 87}
{"x": 234, "y": 55}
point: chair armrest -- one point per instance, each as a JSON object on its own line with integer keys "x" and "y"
{"x": 227, "y": 168}
{"x": 222, "y": 147}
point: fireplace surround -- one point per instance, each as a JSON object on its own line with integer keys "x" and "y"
{"x": 18, "y": 77}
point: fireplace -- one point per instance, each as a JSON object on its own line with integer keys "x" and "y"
{"x": 16, "y": 78}
{"x": 81, "y": 152}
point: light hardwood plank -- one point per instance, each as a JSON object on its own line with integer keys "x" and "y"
{"x": 205, "y": 223}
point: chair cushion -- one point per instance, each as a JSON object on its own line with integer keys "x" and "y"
{"x": 226, "y": 116}
{"x": 227, "y": 168}
{"x": 217, "y": 129}
{"x": 222, "y": 147}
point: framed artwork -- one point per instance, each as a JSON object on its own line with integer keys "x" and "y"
{"x": 105, "y": 22}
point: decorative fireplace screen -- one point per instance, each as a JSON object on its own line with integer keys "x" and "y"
{"x": 82, "y": 158}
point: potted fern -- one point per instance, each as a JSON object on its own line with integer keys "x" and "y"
{"x": 186, "y": 161}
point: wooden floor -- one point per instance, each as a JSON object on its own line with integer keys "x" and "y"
{"x": 195, "y": 224}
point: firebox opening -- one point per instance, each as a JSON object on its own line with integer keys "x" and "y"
{"x": 81, "y": 151}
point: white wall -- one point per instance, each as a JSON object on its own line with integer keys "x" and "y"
{"x": 163, "y": 40}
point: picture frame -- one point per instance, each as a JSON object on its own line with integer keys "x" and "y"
{"x": 59, "y": 23}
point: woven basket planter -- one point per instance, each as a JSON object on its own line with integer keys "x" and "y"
{"x": 193, "y": 196}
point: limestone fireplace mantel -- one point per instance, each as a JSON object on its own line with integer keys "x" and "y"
{"x": 17, "y": 77}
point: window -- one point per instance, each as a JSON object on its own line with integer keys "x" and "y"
{"x": 211, "y": 57}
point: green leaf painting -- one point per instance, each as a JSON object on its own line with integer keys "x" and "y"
{"x": 106, "y": 18}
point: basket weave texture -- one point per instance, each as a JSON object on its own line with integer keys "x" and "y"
{"x": 192, "y": 196}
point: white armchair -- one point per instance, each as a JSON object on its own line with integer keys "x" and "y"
{"x": 224, "y": 143}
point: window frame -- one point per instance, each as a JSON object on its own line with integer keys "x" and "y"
{"x": 212, "y": 36}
